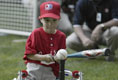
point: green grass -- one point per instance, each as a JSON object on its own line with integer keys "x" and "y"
{"x": 11, "y": 54}
{"x": 11, "y": 57}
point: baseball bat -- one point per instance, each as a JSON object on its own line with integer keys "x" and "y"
{"x": 90, "y": 53}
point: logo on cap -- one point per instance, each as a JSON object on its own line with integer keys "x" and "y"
{"x": 48, "y": 6}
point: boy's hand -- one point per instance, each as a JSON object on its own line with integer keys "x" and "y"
{"x": 48, "y": 58}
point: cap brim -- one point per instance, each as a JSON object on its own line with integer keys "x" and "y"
{"x": 50, "y": 15}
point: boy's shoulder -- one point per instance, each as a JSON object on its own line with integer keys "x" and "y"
{"x": 38, "y": 29}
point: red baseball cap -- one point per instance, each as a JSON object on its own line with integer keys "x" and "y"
{"x": 50, "y": 9}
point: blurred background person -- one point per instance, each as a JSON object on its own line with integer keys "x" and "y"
{"x": 67, "y": 10}
{"x": 101, "y": 18}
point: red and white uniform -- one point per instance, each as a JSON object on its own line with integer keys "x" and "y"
{"x": 40, "y": 42}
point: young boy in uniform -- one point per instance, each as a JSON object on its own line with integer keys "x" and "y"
{"x": 43, "y": 44}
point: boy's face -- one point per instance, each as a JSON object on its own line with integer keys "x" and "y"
{"x": 49, "y": 23}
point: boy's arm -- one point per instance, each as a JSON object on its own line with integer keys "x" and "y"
{"x": 47, "y": 57}
{"x": 61, "y": 55}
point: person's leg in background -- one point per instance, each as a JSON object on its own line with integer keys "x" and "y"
{"x": 73, "y": 42}
{"x": 111, "y": 38}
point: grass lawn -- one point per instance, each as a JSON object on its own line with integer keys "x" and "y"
{"x": 11, "y": 53}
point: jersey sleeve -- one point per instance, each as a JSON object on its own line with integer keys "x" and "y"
{"x": 30, "y": 47}
{"x": 78, "y": 16}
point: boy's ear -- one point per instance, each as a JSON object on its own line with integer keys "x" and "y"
{"x": 41, "y": 20}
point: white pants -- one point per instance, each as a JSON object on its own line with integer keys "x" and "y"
{"x": 39, "y": 72}
{"x": 109, "y": 38}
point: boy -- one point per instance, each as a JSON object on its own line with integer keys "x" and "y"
{"x": 43, "y": 44}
